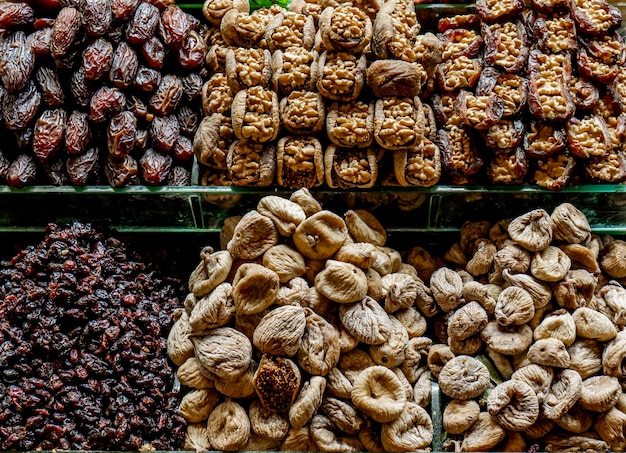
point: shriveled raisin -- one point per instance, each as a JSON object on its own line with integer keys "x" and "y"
{"x": 97, "y": 16}
{"x": 121, "y": 134}
{"x": 65, "y": 31}
{"x": 155, "y": 167}
{"x": 22, "y": 171}
{"x": 124, "y": 66}
{"x": 77, "y": 133}
{"x": 18, "y": 110}
{"x": 105, "y": 103}
{"x": 142, "y": 26}
{"x": 167, "y": 96}
{"x": 49, "y": 134}
{"x": 164, "y": 132}
{"x": 50, "y": 86}
{"x": 97, "y": 58}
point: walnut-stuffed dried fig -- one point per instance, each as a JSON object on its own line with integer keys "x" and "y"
{"x": 419, "y": 165}
{"x": 228, "y": 426}
{"x": 253, "y": 236}
{"x": 391, "y": 353}
{"x": 223, "y": 352}
{"x": 466, "y": 321}
{"x": 280, "y": 331}
{"x": 586, "y": 357}
{"x": 286, "y": 214}
{"x": 307, "y": 402}
{"x": 267, "y": 423}
{"x": 214, "y": 310}
{"x": 459, "y": 415}
{"x": 341, "y": 282}
{"x": 346, "y": 168}
{"x": 509, "y": 340}
{"x": 214, "y": 10}
{"x": 303, "y": 112}
{"x": 378, "y": 392}
{"x": 395, "y": 31}
{"x": 549, "y": 352}
{"x": 447, "y": 288}
{"x": 483, "y": 435}
{"x": 612, "y": 258}
{"x": 212, "y": 140}
{"x": 563, "y": 394}
{"x": 366, "y": 320}
{"x": 342, "y": 75}
{"x": 395, "y": 78}
{"x": 320, "y": 235}
{"x": 411, "y": 431}
{"x": 277, "y": 382}
{"x": 610, "y": 426}
{"x": 255, "y": 115}
{"x": 319, "y": 348}
{"x": 351, "y": 124}
{"x": 463, "y": 377}
{"x": 197, "y": 438}
{"x": 328, "y": 437}
{"x": 306, "y": 201}
{"x": 342, "y": 414}
{"x": 247, "y": 67}
{"x": 538, "y": 377}
{"x": 558, "y": 324}
{"x": 197, "y": 404}
{"x": 345, "y": 28}
{"x": 179, "y": 345}
{"x": 399, "y": 122}
{"x": 294, "y": 69}
{"x": 513, "y": 404}
{"x": 593, "y": 325}
{"x": 290, "y": 29}
{"x": 254, "y": 288}
{"x": 299, "y": 162}
{"x": 532, "y": 230}
{"x": 600, "y": 393}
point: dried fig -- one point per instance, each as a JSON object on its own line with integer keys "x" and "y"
{"x": 319, "y": 348}
{"x": 378, "y": 392}
{"x": 286, "y": 214}
{"x": 254, "y": 288}
{"x": 277, "y": 382}
{"x": 254, "y": 234}
{"x": 412, "y": 430}
{"x": 463, "y": 377}
{"x": 549, "y": 352}
{"x": 341, "y": 282}
{"x": 459, "y": 415}
{"x": 228, "y": 426}
{"x": 280, "y": 331}
{"x": 514, "y": 405}
{"x": 307, "y": 402}
{"x": 569, "y": 224}
{"x": 320, "y": 235}
{"x": 367, "y": 321}
{"x": 223, "y": 352}
{"x": 267, "y": 423}
{"x": 532, "y": 230}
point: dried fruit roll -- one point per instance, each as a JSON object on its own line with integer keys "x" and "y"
{"x": 251, "y": 163}
{"x": 241, "y": 29}
{"x": 351, "y": 124}
{"x": 461, "y": 157}
{"x": 458, "y": 42}
{"x": 299, "y": 162}
{"x": 303, "y": 112}
{"x": 418, "y": 166}
{"x": 588, "y": 136}
{"x": 508, "y": 166}
{"x": 342, "y": 75}
{"x": 345, "y": 28}
{"x": 246, "y": 68}
{"x": 294, "y": 69}
{"x": 399, "y": 122}
{"x": 491, "y": 11}
{"x": 554, "y": 34}
{"x": 542, "y": 140}
{"x": 554, "y": 172}
{"x": 255, "y": 115}
{"x": 346, "y": 168}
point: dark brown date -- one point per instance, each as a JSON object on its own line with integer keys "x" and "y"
{"x": 121, "y": 172}
{"x": 121, "y": 134}
{"x": 506, "y": 46}
{"x": 609, "y": 169}
{"x": 49, "y": 134}
{"x": 508, "y": 167}
{"x": 174, "y": 27}
{"x": 555, "y": 34}
{"x": 609, "y": 48}
{"x": 65, "y": 31}
{"x": 105, "y": 103}
{"x": 97, "y": 58}
{"x": 193, "y": 52}
{"x": 55, "y": 171}
{"x": 80, "y": 88}
{"x": 50, "y": 86}
{"x": 153, "y": 52}
{"x": 142, "y": 26}
{"x": 164, "y": 131}
{"x": 24, "y": 138}
{"x": 188, "y": 120}
{"x": 155, "y": 167}
{"x": 5, "y": 163}
{"x": 142, "y": 140}
{"x": 588, "y": 137}
{"x": 461, "y": 41}
{"x": 39, "y": 42}
{"x": 479, "y": 112}
{"x": 192, "y": 86}
{"x": 97, "y": 16}
{"x": 587, "y": 17}
{"x": 137, "y": 106}
{"x": 543, "y": 140}
{"x": 15, "y": 15}
{"x": 460, "y": 156}
{"x": 123, "y": 9}
{"x": 124, "y": 66}
{"x": 77, "y": 133}
{"x": 22, "y": 171}
{"x": 17, "y": 62}
{"x": 117, "y": 33}
{"x": 511, "y": 88}
{"x": 506, "y": 134}
{"x": 18, "y": 110}
{"x": 183, "y": 149}
{"x": 585, "y": 93}
{"x": 179, "y": 176}
{"x": 147, "y": 79}
{"x": 83, "y": 168}
{"x": 595, "y": 68}
{"x": 167, "y": 96}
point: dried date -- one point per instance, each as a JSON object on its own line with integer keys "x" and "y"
{"x": 17, "y": 62}
{"x": 77, "y": 133}
{"x": 97, "y": 16}
{"x": 123, "y": 9}
{"x": 50, "y": 86}
{"x": 97, "y": 58}
{"x": 146, "y": 79}
{"x": 192, "y": 86}
{"x": 65, "y": 31}
{"x": 80, "y": 88}
{"x": 155, "y": 167}
{"x": 39, "y": 42}
{"x": 49, "y": 134}
{"x": 153, "y": 52}
{"x": 174, "y": 27}
{"x": 164, "y": 131}
{"x": 124, "y": 66}
{"x": 183, "y": 149}
{"x": 192, "y": 53}
{"x": 82, "y": 169}
{"x": 121, "y": 172}
{"x": 15, "y": 15}
{"x": 22, "y": 171}
{"x": 143, "y": 24}
{"x": 55, "y": 171}
{"x": 105, "y": 103}
{"x": 4, "y": 165}
{"x": 179, "y": 176}
{"x": 18, "y": 110}
{"x": 121, "y": 134}
{"x": 168, "y": 95}
{"x": 188, "y": 120}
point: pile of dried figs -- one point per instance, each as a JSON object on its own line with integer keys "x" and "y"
{"x": 306, "y": 332}
{"x": 102, "y": 92}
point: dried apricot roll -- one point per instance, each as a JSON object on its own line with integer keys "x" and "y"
{"x": 247, "y": 67}
{"x": 418, "y": 166}
{"x": 290, "y": 29}
{"x": 505, "y": 134}
{"x": 351, "y": 124}
{"x": 399, "y": 122}
{"x": 303, "y": 112}
{"x": 554, "y": 172}
{"x": 506, "y": 46}
{"x": 255, "y": 115}
{"x": 346, "y": 28}
{"x": 508, "y": 167}
{"x": 251, "y": 164}
{"x": 346, "y": 168}
{"x": 299, "y": 162}
{"x": 294, "y": 69}
{"x": 588, "y": 136}
{"x": 479, "y": 112}
{"x": 341, "y": 75}
{"x": 555, "y": 34}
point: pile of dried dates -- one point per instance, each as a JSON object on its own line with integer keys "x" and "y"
{"x": 104, "y": 91}
{"x": 307, "y": 332}
{"x": 83, "y": 325}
